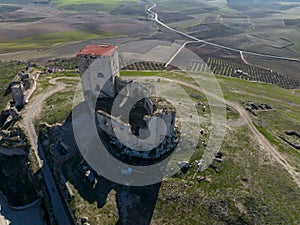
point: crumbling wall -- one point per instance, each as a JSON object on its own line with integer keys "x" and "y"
{"x": 108, "y": 124}
{"x": 17, "y": 91}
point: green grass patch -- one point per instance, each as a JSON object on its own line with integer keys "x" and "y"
{"x": 245, "y": 191}
{"x": 57, "y": 107}
{"x": 85, "y": 196}
{"x": 267, "y": 135}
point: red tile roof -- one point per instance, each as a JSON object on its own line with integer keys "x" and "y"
{"x": 98, "y": 50}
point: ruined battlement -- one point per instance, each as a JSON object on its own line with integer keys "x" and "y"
{"x": 99, "y": 69}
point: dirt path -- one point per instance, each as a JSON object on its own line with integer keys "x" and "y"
{"x": 33, "y": 109}
{"x": 243, "y": 58}
{"x": 265, "y": 145}
{"x": 260, "y": 139}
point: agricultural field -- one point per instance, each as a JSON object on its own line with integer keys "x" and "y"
{"x": 114, "y": 6}
{"x": 145, "y": 66}
{"x": 288, "y": 68}
{"x": 67, "y": 50}
{"x": 48, "y": 40}
{"x": 258, "y": 27}
{"x": 204, "y": 31}
{"x": 30, "y": 27}
{"x": 6, "y": 8}
{"x": 251, "y": 73}
{"x": 71, "y": 2}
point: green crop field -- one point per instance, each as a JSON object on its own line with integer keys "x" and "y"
{"x": 48, "y": 40}
{"x": 5, "y": 8}
{"x": 98, "y": 5}
{"x": 70, "y": 2}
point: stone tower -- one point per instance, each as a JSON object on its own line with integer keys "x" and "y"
{"x": 99, "y": 67}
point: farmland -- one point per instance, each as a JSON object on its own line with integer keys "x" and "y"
{"x": 30, "y": 27}
{"x": 250, "y": 26}
{"x": 82, "y": 5}
{"x": 48, "y": 40}
{"x": 70, "y": 2}
{"x": 227, "y": 68}
{"x": 5, "y": 8}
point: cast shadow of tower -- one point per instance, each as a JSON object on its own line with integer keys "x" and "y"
{"x": 101, "y": 84}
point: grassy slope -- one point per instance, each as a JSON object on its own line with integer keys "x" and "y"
{"x": 250, "y": 188}
{"x": 57, "y": 107}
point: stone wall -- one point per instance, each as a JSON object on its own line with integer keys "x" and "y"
{"x": 96, "y": 71}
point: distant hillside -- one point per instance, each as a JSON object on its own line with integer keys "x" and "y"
{"x": 25, "y": 1}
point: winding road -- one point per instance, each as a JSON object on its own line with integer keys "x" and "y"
{"x": 265, "y": 145}
{"x": 33, "y": 109}
{"x": 156, "y": 18}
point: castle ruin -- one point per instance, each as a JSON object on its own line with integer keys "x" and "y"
{"x": 101, "y": 83}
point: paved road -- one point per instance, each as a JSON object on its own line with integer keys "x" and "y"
{"x": 271, "y": 150}
{"x": 156, "y": 18}
{"x": 178, "y": 51}
{"x": 33, "y": 109}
